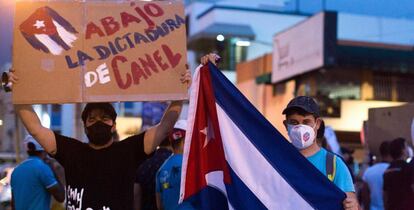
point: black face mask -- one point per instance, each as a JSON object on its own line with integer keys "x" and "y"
{"x": 99, "y": 133}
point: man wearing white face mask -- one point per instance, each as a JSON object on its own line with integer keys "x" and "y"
{"x": 303, "y": 122}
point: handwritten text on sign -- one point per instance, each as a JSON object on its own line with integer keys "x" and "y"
{"x": 114, "y": 46}
{"x": 142, "y": 67}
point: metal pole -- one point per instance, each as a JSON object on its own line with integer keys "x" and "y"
{"x": 17, "y": 138}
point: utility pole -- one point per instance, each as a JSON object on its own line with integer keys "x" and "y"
{"x": 17, "y": 138}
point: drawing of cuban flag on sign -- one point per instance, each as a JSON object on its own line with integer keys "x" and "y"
{"x": 47, "y": 31}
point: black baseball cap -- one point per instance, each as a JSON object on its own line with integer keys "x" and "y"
{"x": 106, "y": 107}
{"x": 303, "y": 102}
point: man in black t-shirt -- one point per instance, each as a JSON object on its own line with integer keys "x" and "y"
{"x": 100, "y": 174}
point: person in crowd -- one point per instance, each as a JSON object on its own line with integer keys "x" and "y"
{"x": 371, "y": 192}
{"x": 33, "y": 181}
{"x": 348, "y": 157}
{"x": 398, "y": 178}
{"x": 144, "y": 187}
{"x": 302, "y": 123}
{"x": 59, "y": 172}
{"x": 93, "y": 169}
{"x": 168, "y": 178}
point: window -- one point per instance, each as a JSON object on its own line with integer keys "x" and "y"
{"x": 405, "y": 85}
{"x": 382, "y": 86}
{"x": 332, "y": 86}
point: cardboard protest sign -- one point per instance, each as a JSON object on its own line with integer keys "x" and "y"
{"x": 70, "y": 52}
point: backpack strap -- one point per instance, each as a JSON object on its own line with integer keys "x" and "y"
{"x": 330, "y": 166}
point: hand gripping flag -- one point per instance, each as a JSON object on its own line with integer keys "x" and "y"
{"x": 235, "y": 159}
{"x": 47, "y": 31}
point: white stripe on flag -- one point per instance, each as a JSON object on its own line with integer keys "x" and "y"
{"x": 53, "y": 47}
{"x": 66, "y": 36}
{"x": 192, "y": 108}
{"x": 254, "y": 170}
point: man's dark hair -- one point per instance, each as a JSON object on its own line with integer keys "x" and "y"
{"x": 107, "y": 108}
{"x": 384, "y": 149}
{"x": 31, "y": 150}
{"x": 321, "y": 131}
{"x": 397, "y": 147}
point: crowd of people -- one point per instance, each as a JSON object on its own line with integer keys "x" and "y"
{"x": 388, "y": 183}
{"x": 150, "y": 162}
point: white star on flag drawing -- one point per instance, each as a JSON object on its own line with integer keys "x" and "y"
{"x": 209, "y": 132}
{"x": 39, "y": 24}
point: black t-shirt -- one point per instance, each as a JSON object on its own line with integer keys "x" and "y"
{"x": 397, "y": 185}
{"x": 100, "y": 179}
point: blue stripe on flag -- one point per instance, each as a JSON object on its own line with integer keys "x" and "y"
{"x": 35, "y": 43}
{"x": 202, "y": 200}
{"x": 64, "y": 23}
{"x": 240, "y": 196}
{"x": 312, "y": 185}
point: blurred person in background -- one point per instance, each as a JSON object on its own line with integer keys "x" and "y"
{"x": 348, "y": 156}
{"x": 33, "y": 181}
{"x": 144, "y": 186}
{"x": 59, "y": 173}
{"x": 398, "y": 178}
{"x": 168, "y": 178}
{"x": 6, "y": 169}
{"x": 371, "y": 192}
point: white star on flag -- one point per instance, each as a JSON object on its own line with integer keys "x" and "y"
{"x": 209, "y": 132}
{"x": 39, "y": 24}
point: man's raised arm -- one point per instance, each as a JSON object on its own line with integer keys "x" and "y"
{"x": 31, "y": 121}
{"x": 155, "y": 135}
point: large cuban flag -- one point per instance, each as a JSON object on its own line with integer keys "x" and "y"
{"x": 47, "y": 31}
{"x": 235, "y": 159}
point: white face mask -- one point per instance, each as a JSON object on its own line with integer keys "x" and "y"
{"x": 301, "y": 136}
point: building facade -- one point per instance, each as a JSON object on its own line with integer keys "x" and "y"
{"x": 243, "y": 31}
{"x": 347, "y": 76}
{"x": 365, "y": 58}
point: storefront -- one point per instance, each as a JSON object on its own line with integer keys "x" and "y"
{"x": 346, "y": 77}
